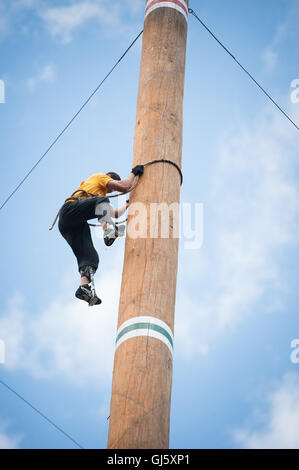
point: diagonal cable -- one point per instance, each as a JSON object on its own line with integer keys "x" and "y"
{"x": 41, "y": 414}
{"x": 243, "y": 68}
{"x": 69, "y": 123}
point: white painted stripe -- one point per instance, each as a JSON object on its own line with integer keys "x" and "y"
{"x": 145, "y": 319}
{"x": 183, "y": 2}
{"x": 167, "y": 5}
{"x": 145, "y": 331}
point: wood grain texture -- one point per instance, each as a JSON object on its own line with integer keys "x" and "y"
{"x": 142, "y": 375}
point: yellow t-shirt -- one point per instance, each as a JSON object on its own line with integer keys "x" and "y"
{"x": 95, "y": 184}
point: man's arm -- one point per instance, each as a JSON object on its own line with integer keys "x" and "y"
{"x": 116, "y": 213}
{"x": 125, "y": 185}
{"x": 122, "y": 186}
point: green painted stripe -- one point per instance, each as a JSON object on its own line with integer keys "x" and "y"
{"x": 146, "y": 326}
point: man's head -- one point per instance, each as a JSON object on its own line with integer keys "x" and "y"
{"x": 114, "y": 176}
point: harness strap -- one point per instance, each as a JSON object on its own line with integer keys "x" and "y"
{"x": 73, "y": 198}
{"x": 78, "y": 198}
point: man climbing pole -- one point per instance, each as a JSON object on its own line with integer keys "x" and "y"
{"x": 89, "y": 201}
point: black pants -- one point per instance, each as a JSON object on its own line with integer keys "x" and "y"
{"x": 74, "y": 228}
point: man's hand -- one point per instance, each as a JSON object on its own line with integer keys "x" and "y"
{"x": 138, "y": 170}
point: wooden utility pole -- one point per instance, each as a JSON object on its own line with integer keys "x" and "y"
{"x": 142, "y": 375}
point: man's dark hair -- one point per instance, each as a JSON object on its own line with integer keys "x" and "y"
{"x": 114, "y": 176}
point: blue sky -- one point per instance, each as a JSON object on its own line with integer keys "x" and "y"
{"x": 234, "y": 384}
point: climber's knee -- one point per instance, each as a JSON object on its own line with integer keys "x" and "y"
{"x": 102, "y": 211}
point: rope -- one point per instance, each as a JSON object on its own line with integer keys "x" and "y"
{"x": 161, "y": 160}
{"x": 243, "y": 68}
{"x": 41, "y": 414}
{"x": 70, "y": 122}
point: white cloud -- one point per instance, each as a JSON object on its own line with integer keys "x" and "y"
{"x": 270, "y": 59}
{"x": 287, "y": 29}
{"x": 252, "y": 211}
{"x": 66, "y": 338}
{"x": 47, "y": 75}
{"x": 62, "y": 21}
{"x": 278, "y": 427}
{"x": 8, "y": 441}
{"x": 134, "y": 6}
{"x": 10, "y": 10}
